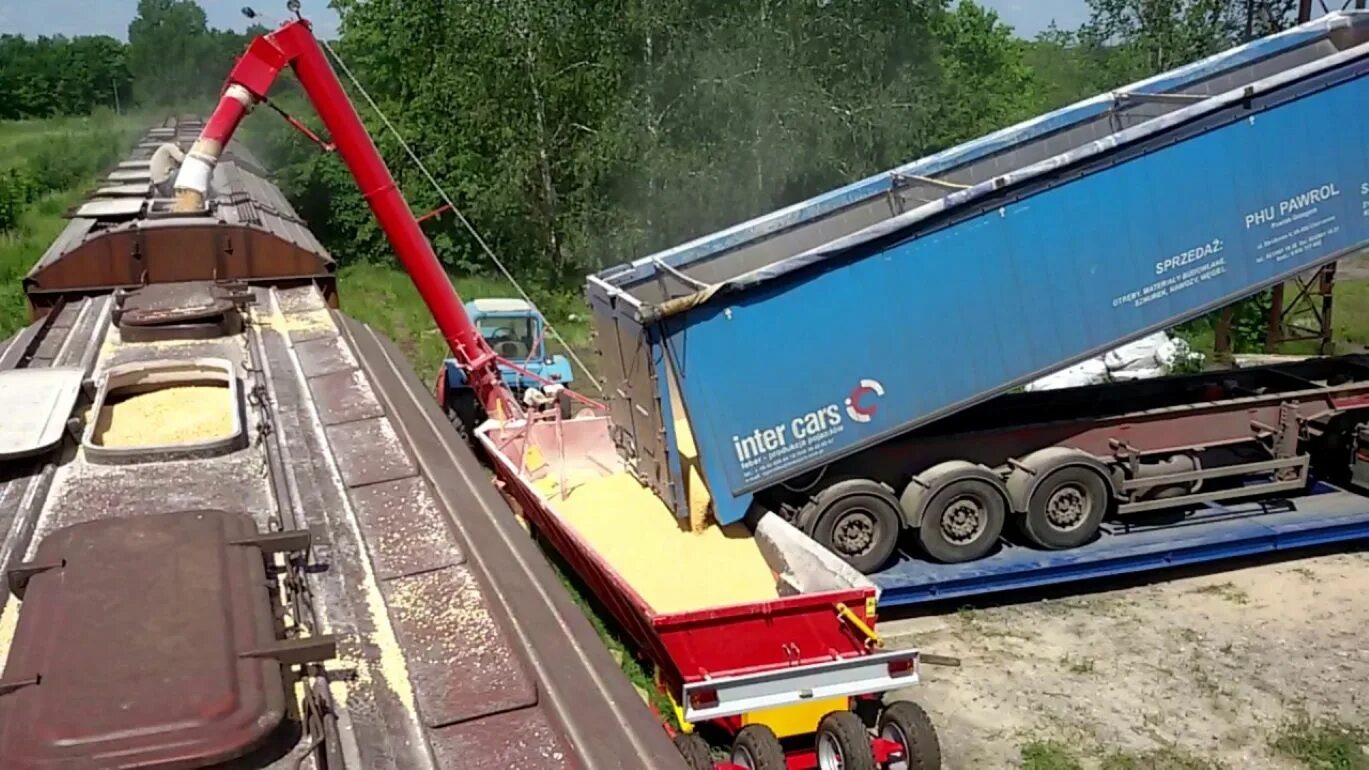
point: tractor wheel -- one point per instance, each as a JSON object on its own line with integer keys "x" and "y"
{"x": 844, "y": 743}
{"x": 906, "y": 724}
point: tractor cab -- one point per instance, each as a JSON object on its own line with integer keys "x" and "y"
{"x": 515, "y": 332}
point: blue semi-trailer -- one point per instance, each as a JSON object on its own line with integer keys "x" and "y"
{"x": 814, "y": 351}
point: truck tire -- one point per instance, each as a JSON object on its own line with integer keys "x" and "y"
{"x": 858, "y": 520}
{"x": 844, "y": 743}
{"x": 695, "y": 751}
{"x": 757, "y": 748}
{"x": 963, "y": 521}
{"x": 908, "y": 725}
{"x": 1066, "y": 508}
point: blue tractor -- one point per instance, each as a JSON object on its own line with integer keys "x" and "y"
{"x": 515, "y": 331}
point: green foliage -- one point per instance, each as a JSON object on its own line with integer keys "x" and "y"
{"x": 385, "y": 297}
{"x": 1324, "y": 745}
{"x": 1249, "y": 323}
{"x": 1144, "y": 37}
{"x": 37, "y": 164}
{"x": 1049, "y": 755}
{"x": 172, "y": 59}
{"x": 576, "y": 135}
{"x": 38, "y": 225}
{"x": 173, "y": 55}
{"x": 61, "y": 76}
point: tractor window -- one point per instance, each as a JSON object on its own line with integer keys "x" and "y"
{"x": 510, "y": 338}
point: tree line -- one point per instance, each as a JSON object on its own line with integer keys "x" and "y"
{"x": 576, "y": 134}
{"x": 172, "y": 58}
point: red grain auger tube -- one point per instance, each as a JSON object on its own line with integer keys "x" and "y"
{"x": 294, "y": 45}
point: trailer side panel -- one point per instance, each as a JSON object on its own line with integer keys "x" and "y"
{"x": 898, "y": 331}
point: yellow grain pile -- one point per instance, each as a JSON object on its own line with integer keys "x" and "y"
{"x": 167, "y": 416}
{"x": 674, "y": 569}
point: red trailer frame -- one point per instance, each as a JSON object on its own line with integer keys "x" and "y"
{"x": 694, "y": 651}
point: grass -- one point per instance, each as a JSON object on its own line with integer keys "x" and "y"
{"x": 38, "y": 226}
{"x": 384, "y": 297}
{"x": 1168, "y": 758}
{"x": 20, "y": 139}
{"x": 79, "y": 148}
{"x": 1078, "y": 665}
{"x": 1350, "y": 322}
{"x": 1227, "y": 591}
{"x": 1049, "y": 755}
{"x": 1053, "y": 755}
{"x": 1322, "y": 745}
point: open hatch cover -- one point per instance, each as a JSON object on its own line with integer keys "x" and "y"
{"x": 143, "y": 642}
{"x": 37, "y": 403}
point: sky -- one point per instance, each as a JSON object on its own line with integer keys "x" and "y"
{"x": 1029, "y": 17}
{"x": 111, "y": 17}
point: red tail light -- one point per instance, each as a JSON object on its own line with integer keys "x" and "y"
{"x": 705, "y": 698}
{"x": 902, "y": 667}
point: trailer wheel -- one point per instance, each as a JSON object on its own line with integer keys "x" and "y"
{"x": 963, "y": 521}
{"x": 857, "y": 520}
{"x": 757, "y": 748}
{"x": 695, "y": 750}
{"x": 906, "y": 724}
{"x": 464, "y": 413}
{"x": 1066, "y": 508}
{"x": 844, "y": 743}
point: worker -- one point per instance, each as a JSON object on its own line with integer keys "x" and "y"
{"x": 166, "y": 161}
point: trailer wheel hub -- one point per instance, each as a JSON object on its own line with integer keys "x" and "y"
{"x": 964, "y": 519}
{"x": 1068, "y": 506}
{"x": 855, "y": 532}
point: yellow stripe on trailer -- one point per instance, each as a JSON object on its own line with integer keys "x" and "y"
{"x": 799, "y": 719}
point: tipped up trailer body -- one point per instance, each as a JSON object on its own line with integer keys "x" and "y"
{"x": 914, "y": 294}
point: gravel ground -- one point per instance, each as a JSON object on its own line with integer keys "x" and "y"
{"x": 1202, "y": 671}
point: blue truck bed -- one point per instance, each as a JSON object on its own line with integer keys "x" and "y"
{"x": 1214, "y": 533}
{"x": 812, "y": 333}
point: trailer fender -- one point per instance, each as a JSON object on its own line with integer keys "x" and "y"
{"x": 925, "y": 486}
{"x": 808, "y": 514}
{"x": 1028, "y": 472}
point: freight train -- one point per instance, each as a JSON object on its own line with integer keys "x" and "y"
{"x": 237, "y": 531}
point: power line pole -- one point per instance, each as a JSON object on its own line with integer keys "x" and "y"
{"x": 114, "y": 86}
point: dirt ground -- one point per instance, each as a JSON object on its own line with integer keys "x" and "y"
{"x": 1201, "y": 671}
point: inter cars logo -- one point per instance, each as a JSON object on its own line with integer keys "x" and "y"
{"x": 859, "y": 404}
{"x": 811, "y": 431}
